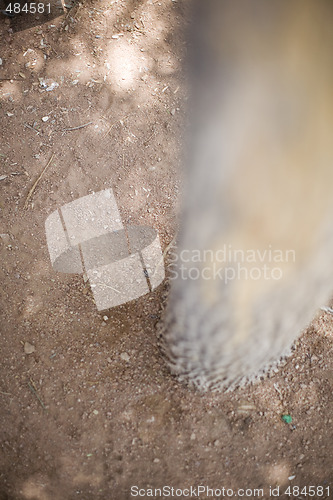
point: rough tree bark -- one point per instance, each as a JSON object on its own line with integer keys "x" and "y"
{"x": 259, "y": 179}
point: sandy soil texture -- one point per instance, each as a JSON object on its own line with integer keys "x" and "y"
{"x": 88, "y": 409}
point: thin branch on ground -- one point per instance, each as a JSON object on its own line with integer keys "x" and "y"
{"x": 31, "y": 192}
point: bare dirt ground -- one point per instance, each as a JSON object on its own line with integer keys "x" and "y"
{"x": 93, "y": 410}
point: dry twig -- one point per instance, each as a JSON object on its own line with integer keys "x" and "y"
{"x": 33, "y": 390}
{"x": 77, "y": 128}
{"x": 115, "y": 123}
{"x": 5, "y": 393}
{"x": 31, "y": 192}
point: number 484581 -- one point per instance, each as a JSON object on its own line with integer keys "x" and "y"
{"x": 311, "y": 491}
{"x": 29, "y": 8}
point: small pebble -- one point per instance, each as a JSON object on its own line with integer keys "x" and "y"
{"x": 45, "y": 118}
{"x": 291, "y": 478}
{"x": 105, "y": 318}
{"x": 95, "y": 412}
{"x": 29, "y": 348}
{"x": 4, "y": 236}
{"x": 125, "y": 356}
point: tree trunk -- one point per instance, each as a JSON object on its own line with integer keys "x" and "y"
{"x": 254, "y": 257}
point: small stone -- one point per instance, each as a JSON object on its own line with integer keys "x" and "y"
{"x": 5, "y": 238}
{"x": 216, "y": 443}
{"x": 173, "y": 111}
{"x": 0, "y": 61}
{"x": 95, "y": 412}
{"x": 291, "y": 478}
{"x": 156, "y": 460}
{"x": 193, "y": 436}
{"x": 45, "y": 118}
{"x": 105, "y": 318}
{"x": 245, "y": 408}
{"x": 29, "y": 348}
{"x": 124, "y": 356}
{"x": 109, "y": 360}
